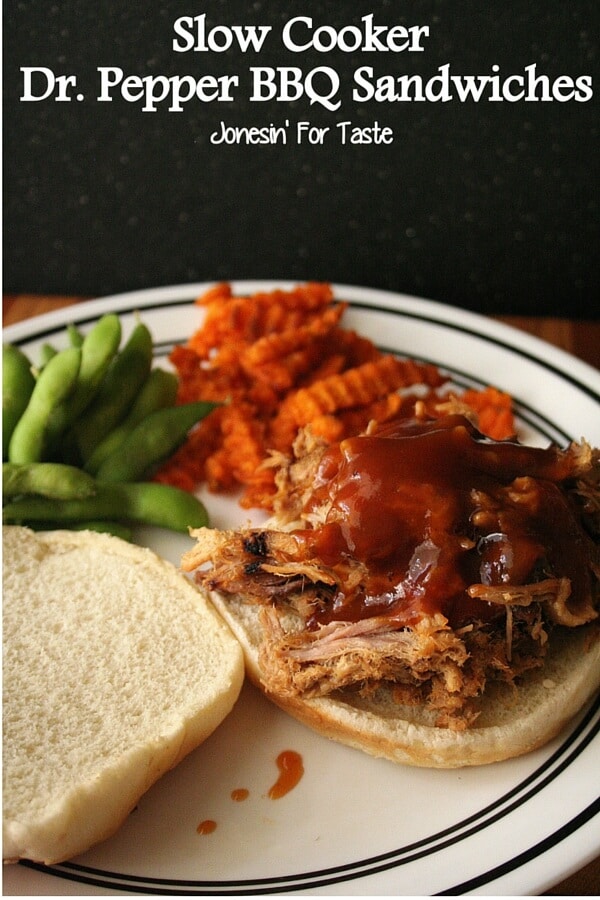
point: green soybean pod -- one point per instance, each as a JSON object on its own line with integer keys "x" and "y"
{"x": 152, "y": 441}
{"x": 55, "y": 382}
{"x": 104, "y": 526}
{"x": 18, "y": 382}
{"x": 47, "y": 351}
{"x": 47, "y": 479}
{"x": 163, "y": 505}
{"x": 148, "y": 503}
{"x": 76, "y": 337}
{"x": 158, "y": 391}
{"x": 126, "y": 374}
{"x": 98, "y": 348}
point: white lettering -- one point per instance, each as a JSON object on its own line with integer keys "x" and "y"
{"x": 218, "y": 39}
{"x": 312, "y": 133}
{"x": 372, "y": 134}
{"x": 183, "y": 28}
{"x": 227, "y": 134}
{"x": 470, "y": 87}
{"x": 507, "y": 92}
{"x": 288, "y": 83}
{"x": 563, "y": 89}
{"x": 47, "y": 83}
{"x": 493, "y": 88}
{"x": 152, "y": 90}
{"x": 298, "y": 35}
{"x": 535, "y": 82}
{"x": 585, "y": 90}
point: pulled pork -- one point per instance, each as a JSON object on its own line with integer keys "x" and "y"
{"x": 419, "y": 556}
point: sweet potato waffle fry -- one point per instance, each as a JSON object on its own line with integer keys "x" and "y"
{"x": 279, "y": 361}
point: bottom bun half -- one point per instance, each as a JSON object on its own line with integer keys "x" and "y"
{"x": 513, "y": 720}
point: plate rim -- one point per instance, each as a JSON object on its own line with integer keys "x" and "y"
{"x": 434, "y": 312}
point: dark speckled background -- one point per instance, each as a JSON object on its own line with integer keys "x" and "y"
{"x": 488, "y": 206}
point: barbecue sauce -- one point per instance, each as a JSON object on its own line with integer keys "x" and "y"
{"x": 291, "y": 770}
{"x": 431, "y": 507}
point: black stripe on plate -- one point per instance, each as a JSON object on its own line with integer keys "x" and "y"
{"x": 398, "y": 857}
{"x": 356, "y": 304}
{"x": 455, "y": 326}
{"x": 523, "y": 410}
{"x": 523, "y": 858}
{"x": 532, "y": 417}
{"x": 578, "y": 740}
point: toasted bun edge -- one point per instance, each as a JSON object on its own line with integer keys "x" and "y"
{"x": 516, "y": 721}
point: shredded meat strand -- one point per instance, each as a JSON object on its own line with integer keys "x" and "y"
{"x": 429, "y": 662}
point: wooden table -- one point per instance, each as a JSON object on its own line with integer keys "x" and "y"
{"x": 581, "y": 338}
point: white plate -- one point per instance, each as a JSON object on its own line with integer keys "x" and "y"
{"x": 354, "y": 825}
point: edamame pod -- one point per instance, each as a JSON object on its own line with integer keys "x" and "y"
{"x": 104, "y": 527}
{"x": 53, "y": 385}
{"x": 158, "y": 391}
{"x": 18, "y": 382}
{"x": 46, "y": 353}
{"x": 121, "y": 384}
{"x": 98, "y": 348}
{"x": 152, "y": 441}
{"x": 47, "y": 479}
{"x": 76, "y": 338}
{"x": 147, "y": 503}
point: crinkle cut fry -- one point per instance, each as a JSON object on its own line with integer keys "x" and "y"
{"x": 332, "y": 365}
{"x": 237, "y": 457}
{"x": 246, "y": 319}
{"x": 199, "y": 381}
{"x": 335, "y": 427}
{"x": 243, "y": 440}
{"x": 382, "y": 410}
{"x": 285, "y": 374}
{"x": 284, "y": 355}
{"x": 344, "y": 350}
{"x": 301, "y": 367}
{"x": 355, "y": 387}
{"x": 279, "y": 344}
{"x": 215, "y": 294}
{"x": 356, "y": 349}
{"x": 494, "y": 411}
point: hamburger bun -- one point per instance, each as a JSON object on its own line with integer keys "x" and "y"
{"x": 421, "y": 592}
{"x": 513, "y": 720}
{"x": 115, "y": 668}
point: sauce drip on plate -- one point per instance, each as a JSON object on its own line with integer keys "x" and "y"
{"x": 291, "y": 770}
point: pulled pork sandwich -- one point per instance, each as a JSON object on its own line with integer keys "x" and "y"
{"x": 422, "y": 592}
